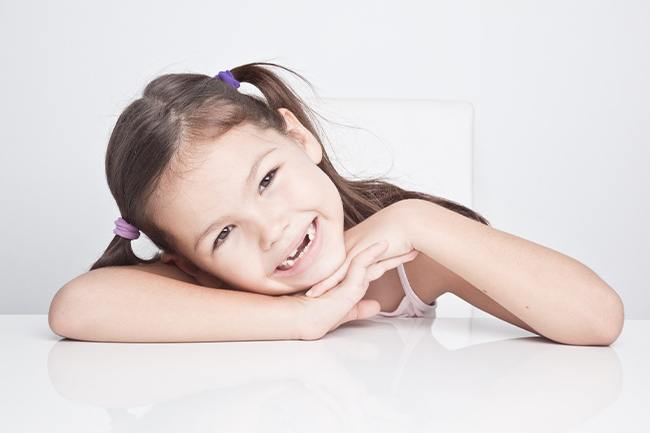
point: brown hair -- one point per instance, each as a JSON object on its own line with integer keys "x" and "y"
{"x": 183, "y": 109}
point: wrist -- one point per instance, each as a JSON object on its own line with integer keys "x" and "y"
{"x": 300, "y": 321}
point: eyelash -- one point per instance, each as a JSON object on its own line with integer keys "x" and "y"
{"x": 274, "y": 172}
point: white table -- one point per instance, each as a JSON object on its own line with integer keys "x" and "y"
{"x": 377, "y": 375}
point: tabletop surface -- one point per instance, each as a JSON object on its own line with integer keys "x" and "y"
{"x": 376, "y": 375}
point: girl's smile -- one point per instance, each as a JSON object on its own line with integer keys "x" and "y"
{"x": 308, "y": 258}
{"x": 248, "y": 206}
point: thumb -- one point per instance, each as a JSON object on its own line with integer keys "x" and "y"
{"x": 364, "y": 309}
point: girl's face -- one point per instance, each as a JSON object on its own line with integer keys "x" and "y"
{"x": 241, "y": 229}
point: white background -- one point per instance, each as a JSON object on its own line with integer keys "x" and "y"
{"x": 562, "y": 121}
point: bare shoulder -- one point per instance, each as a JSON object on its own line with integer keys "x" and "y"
{"x": 428, "y": 278}
{"x": 386, "y": 290}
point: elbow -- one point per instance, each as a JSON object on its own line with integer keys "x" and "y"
{"x": 602, "y": 329}
{"x": 55, "y": 322}
{"x": 58, "y": 316}
{"x": 611, "y": 321}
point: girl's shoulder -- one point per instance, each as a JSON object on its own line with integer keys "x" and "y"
{"x": 429, "y": 279}
{"x": 387, "y": 290}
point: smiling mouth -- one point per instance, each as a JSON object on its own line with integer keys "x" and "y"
{"x": 301, "y": 250}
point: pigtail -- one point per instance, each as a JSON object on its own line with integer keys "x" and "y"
{"x": 277, "y": 93}
{"x": 120, "y": 253}
{"x": 163, "y": 131}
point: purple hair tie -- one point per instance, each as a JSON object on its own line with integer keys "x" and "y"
{"x": 227, "y": 77}
{"x": 126, "y": 230}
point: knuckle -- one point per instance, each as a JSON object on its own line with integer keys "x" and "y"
{"x": 358, "y": 260}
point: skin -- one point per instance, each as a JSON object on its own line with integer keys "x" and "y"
{"x": 493, "y": 270}
{"x": 264, "y": 221}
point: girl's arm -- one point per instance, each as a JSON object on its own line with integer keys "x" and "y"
{"x": 159, "y": 303}
{"x": 558, "y": 296}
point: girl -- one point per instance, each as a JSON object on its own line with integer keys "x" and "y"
{"x": 248, "y": 213}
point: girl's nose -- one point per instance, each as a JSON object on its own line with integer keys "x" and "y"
{"x": 272, "y": 233}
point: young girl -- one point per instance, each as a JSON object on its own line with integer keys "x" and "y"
{"x": 249, "y": 213}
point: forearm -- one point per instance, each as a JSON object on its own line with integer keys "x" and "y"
{"x": 121, "y": 304}
{"x": 555, "y": 294}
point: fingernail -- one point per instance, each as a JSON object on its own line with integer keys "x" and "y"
{"x": 308, "y": 293}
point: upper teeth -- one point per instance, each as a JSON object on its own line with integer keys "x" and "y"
{"x": 311, "y": 232}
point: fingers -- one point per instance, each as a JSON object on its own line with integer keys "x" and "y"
{"x": 378, "y": 269}
{"x": 329, "y": 282}
{"x": 374, "y": 272}
{"x": 363, "y": 269}
{"x": 355, "y": 283}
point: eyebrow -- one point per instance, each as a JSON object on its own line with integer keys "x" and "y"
{"x": 249, "y": 180}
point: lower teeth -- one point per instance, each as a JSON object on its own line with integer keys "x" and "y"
{"x": 288, "y": 264}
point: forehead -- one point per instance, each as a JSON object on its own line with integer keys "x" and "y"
{"x": 210, "y": 177}
{"x": 214, "y": 163}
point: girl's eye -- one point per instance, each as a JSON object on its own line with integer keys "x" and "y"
{"x": 267, "y": 175}
{"x": 272, "y": 176}
{"x": 216, "y": 245}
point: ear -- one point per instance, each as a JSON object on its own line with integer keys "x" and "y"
{"x": 200, "y": 276}
{"x": 181, "y": 263}
{"x": 302, "y": 136}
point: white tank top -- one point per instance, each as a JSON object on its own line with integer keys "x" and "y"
{"x": 411, "y": 305}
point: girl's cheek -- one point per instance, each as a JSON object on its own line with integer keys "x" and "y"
{"x": 298, "y": 188}
{"x": 289, "y": 192}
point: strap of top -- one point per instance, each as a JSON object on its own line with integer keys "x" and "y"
{"x": 410, "y": 293}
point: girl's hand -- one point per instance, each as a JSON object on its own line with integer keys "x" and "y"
{"x": 344, "y": 302}
{"x": 390, "y": 223}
